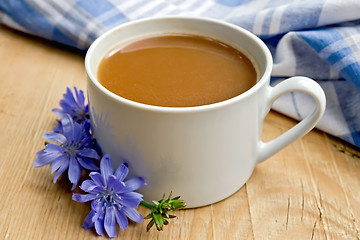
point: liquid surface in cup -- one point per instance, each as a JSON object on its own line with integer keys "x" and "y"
{"x": 177, "y": 70}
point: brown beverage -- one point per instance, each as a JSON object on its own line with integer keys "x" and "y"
{"x": 177, "y": 70}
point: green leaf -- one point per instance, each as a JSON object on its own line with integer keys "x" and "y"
{"x": 148, "y": 216}
{"x": 158, "y": 221}
{"x": 166, "y": 213}
{"x": 176, "y": 198}
{"x": 150, "y": 224}
{"x": 169, "y": 195}
{"x": 178, "y": 204}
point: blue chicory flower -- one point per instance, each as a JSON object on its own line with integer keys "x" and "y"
{"x": 74, "y": 151}
{"x": 75, "y": 107}
{"x": 113, "y": 200}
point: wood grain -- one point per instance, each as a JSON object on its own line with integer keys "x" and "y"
{"x": 309, "y": 190}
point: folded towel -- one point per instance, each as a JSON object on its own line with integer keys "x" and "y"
{"x": 315, "y": 38}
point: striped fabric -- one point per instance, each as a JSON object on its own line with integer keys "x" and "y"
{"x": 315, "y": 38}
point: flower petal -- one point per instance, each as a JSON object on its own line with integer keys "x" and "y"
{"x": 60, "y": 171}
{"x": 98, "y": 218}
{"x": 87, "y": 125}
{"x": 115, "y": 185}
{"x": 58, "y": 128}
{"x": 78, "y": 132}
{"x": 54, "y": 148}
{"x": 91, "y": 187}
{"x": 54, "y": 137}
{"x": 126, "y": 202}
{"x": 55, "y": 165}
{"x": 57, "y": 111}
{"x": 97, "y": 205}
{"x": 87, "y": 163}
{"x": 87, "y": 184}
{"x": 86, "y": 109}
{"x": 122, "y": 171}
{"x": 74, "y": 172}
{"x": 62, "y": 160}
{"x": 97, "y": 178}
{"x": 109, "y": 222}
{"x": 99, "y": 226}
{"x": 121, "y": 219}
{"x": 132, "y": 195}
{"x": 83, "y": 197}
{"x": 133, "y": 184}
{"x": 89, "y": 152}
{"x": 68, "y": 127}
{"x": 88, "y": 223}
{"x": 79, "y": 97}
{"x": 106, "y": 167}
{"x": 43, "y": 158}
{"x": 68, "y": 102}
{"x": 133, "y": 214}
{"x": 131, "y": 199}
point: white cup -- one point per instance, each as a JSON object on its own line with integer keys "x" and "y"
{"x": 203, "y": 153}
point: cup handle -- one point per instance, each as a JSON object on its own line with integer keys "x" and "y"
{"x": 302, "y": 84}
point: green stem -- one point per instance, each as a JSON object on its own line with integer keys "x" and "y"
{"x": 147, "y": 205}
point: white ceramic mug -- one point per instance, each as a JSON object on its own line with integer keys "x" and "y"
{"x": 203, "y": 153}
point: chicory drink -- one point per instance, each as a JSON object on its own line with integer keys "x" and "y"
{"x": 177, "y": 70}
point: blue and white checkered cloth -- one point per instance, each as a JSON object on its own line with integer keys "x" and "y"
{"x": 315, "y": 38}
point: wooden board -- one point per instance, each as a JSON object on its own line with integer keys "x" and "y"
{"x": 309, "y": 190}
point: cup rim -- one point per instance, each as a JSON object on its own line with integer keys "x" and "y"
{"x": 262, "y": 80}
